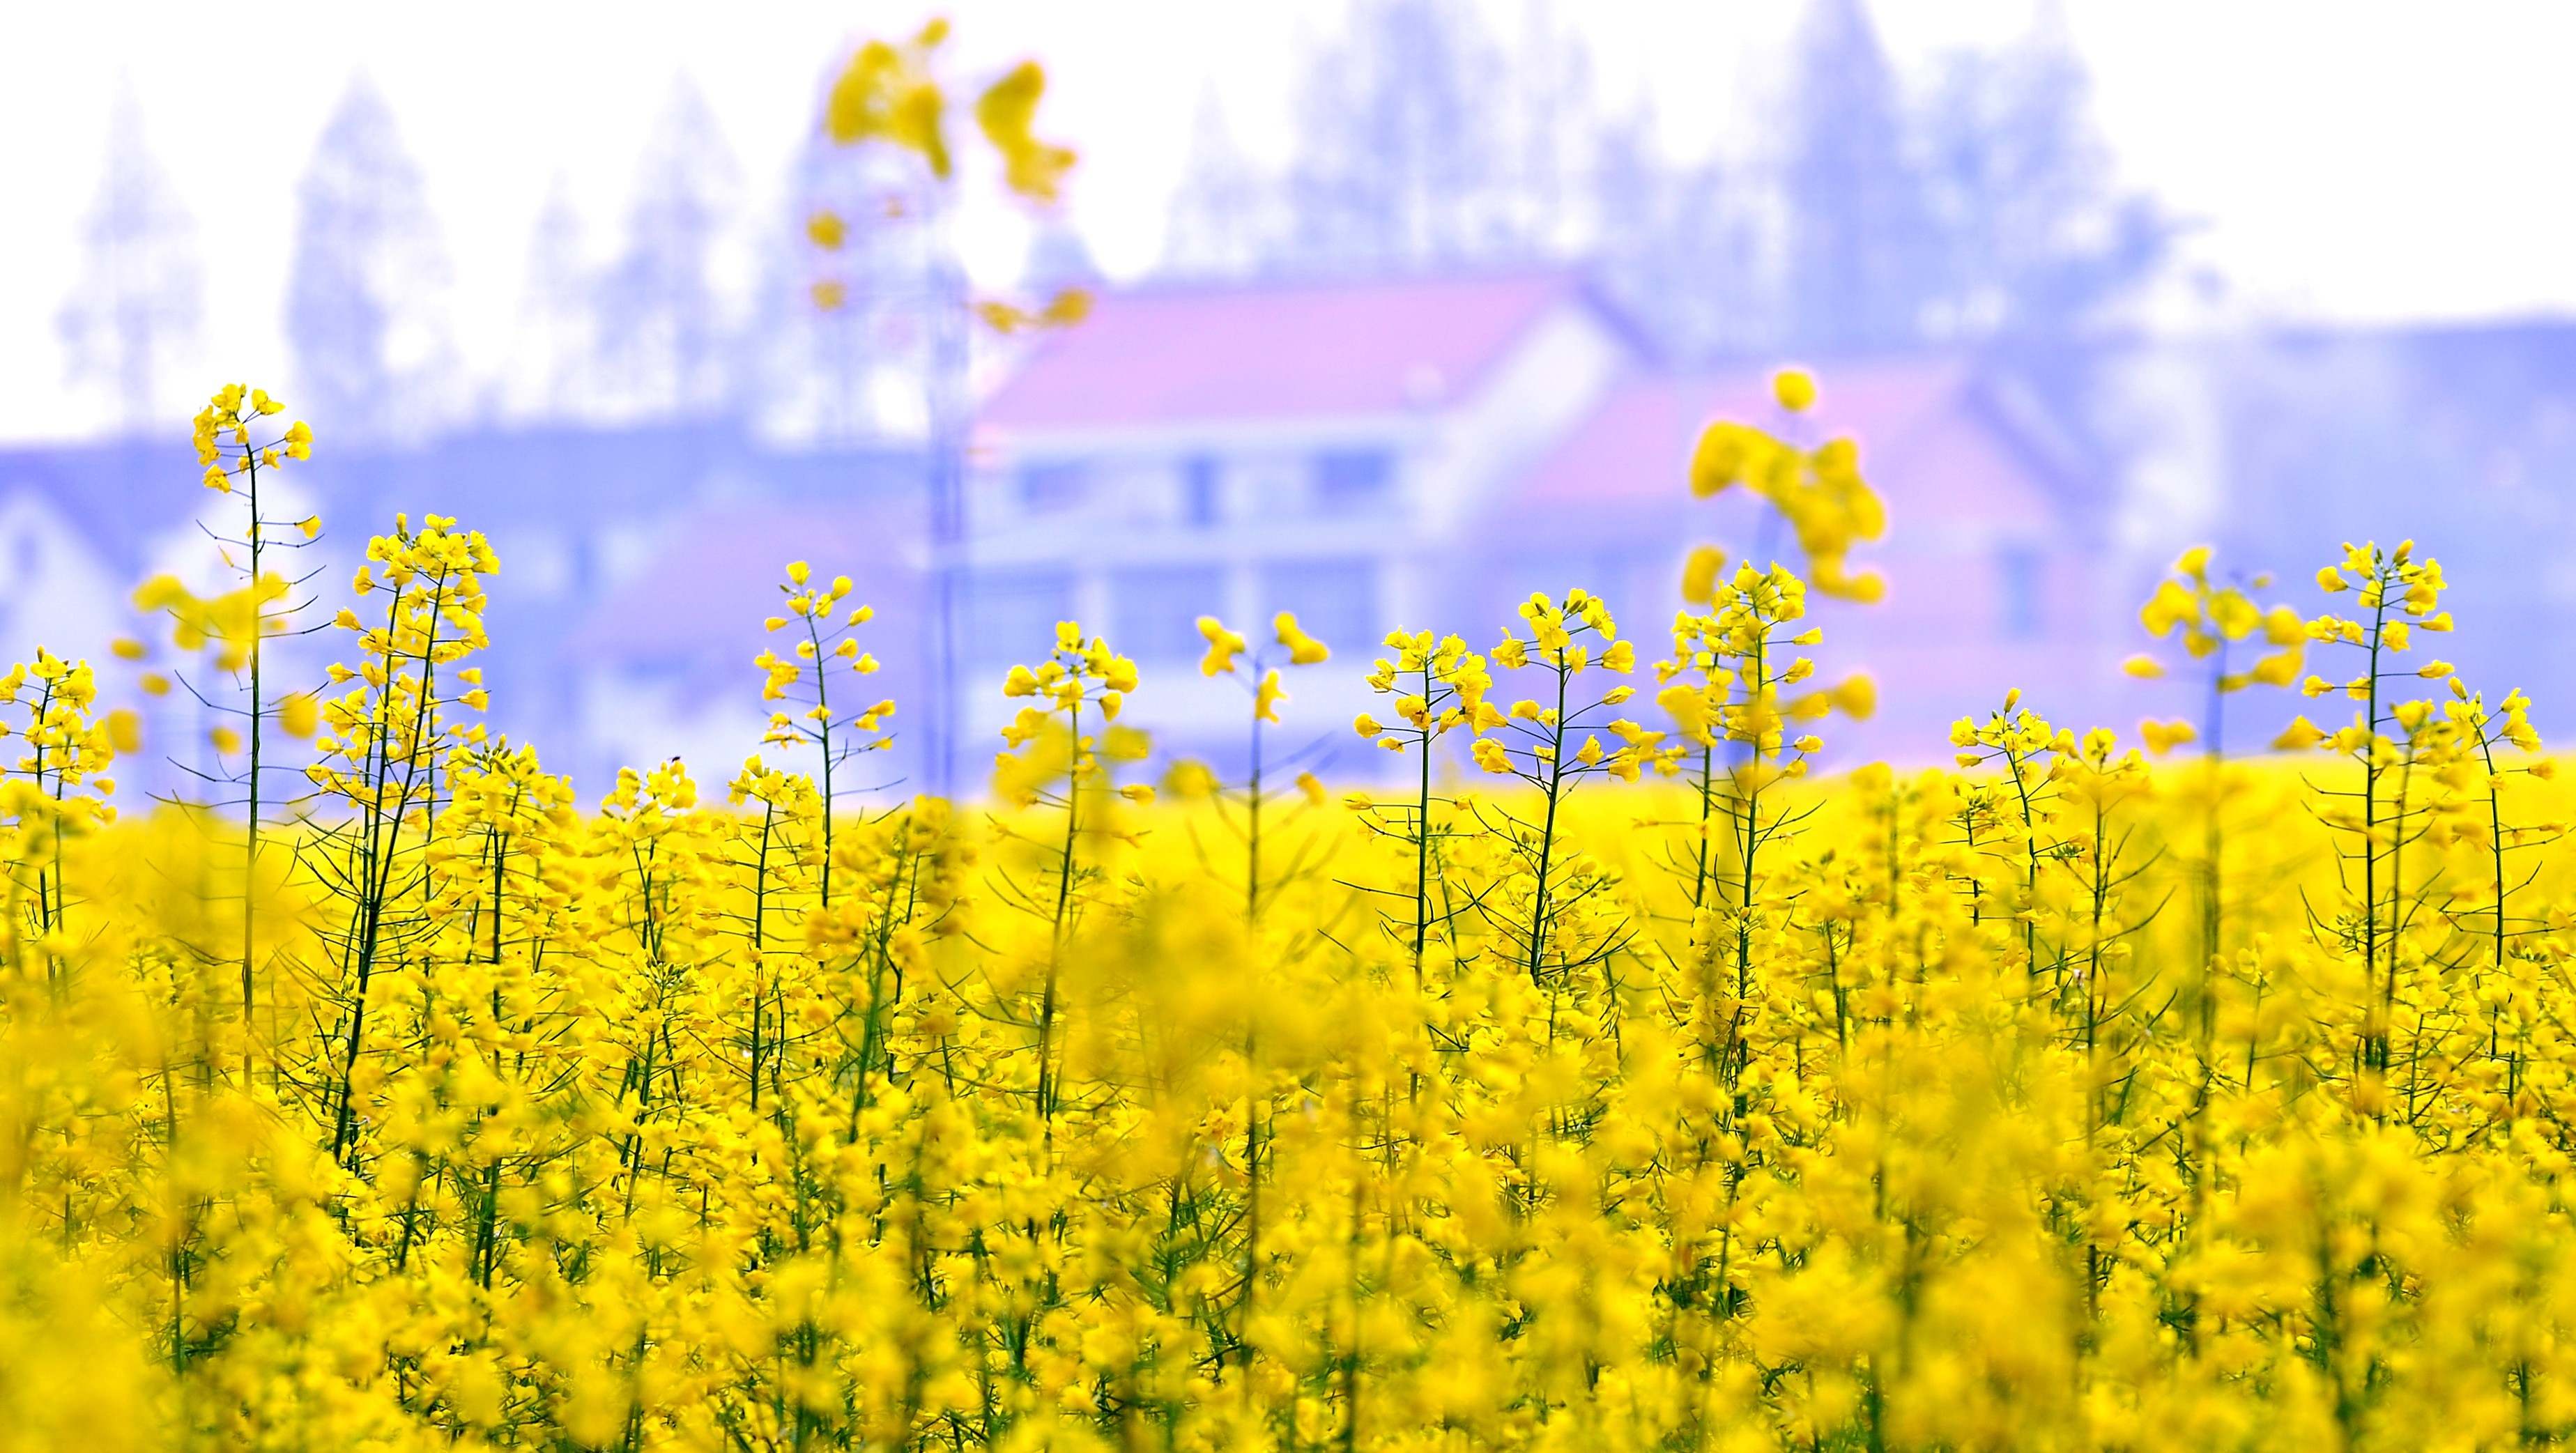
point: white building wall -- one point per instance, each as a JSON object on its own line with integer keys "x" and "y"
{"x": 1450, "y": 456}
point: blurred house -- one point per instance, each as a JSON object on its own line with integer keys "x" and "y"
{"x": 1245, "y": 449}
{"x": 69, "y": 551}
{"x": 1994, "y": 556}
{"x": 1419, "y": 452}
{"x": 626, "y": 612}
{"x": 2458, "y": 436}
{"x": 665, "y": 657}
{"x": 1428, "y": 451}
{"x": 81, "y": 524}
{"x": 637, "y": 563}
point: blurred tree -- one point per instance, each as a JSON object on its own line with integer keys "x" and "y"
{"x": 1223, "y": 218}
{"x": 2039, "y": 239}
{"x": 550, "y": 371}
{"x": 1423, "y": 141}
{"x": 1397, "y": 166}
{"x": 1984, "y": 212}
{"x": 1552, "y": 110}
{"x": 665, "y": 348}
{"x": 1864, "y": 256}
{"x": 1681, "y": 246}
{"x": 1058, "y": 258}
{"x": 851, "y": 331}
{"x": 136, "y": 310}
{"x": 364, "y": 311}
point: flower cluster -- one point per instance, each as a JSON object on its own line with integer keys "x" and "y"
{"x": 228, "y": 446}
{"x": 1081, "y": 678}
{"x": 802, "y": 678}
{"x": 1448, "y": 684}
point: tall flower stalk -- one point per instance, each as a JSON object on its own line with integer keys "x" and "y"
{"x": 243, "y": 451}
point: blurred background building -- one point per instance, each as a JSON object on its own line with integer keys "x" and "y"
{"x": 1454, "y": 348}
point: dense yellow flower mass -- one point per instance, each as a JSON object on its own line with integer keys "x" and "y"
{"x": 1640, "y": 1090}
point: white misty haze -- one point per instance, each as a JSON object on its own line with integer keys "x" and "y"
{"x": 2348, "y": 161}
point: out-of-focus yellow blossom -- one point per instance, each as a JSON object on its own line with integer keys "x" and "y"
{"x": 1007, "y": 113}
{"x": 1222, "y": 647}
{"x": 1819, "y": 492}
{"x": 1303, "y": 649}
{"x": 2208, "y": 619}
{"x": 2298, "y": 736}
{"x": 2163, "y": 736}
{"x": 1795, "y": 388}
{"x": 886, "y": 94}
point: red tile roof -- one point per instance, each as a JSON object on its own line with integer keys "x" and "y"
{"x": 1269, "y": 351}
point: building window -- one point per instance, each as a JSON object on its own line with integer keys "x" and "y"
{"x": 2020, "y": 573}
{"x": 1053, "y": 486}
{"x": 1336, "y": 600}
{"x": 1011, "y": 614}
{"x": 1154, "y": 610}
{"x": 1353, "y": 481}
{"x": 1201, "y": 477}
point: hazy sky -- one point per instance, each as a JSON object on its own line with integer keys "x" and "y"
{"x": 2348, "y": 159}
